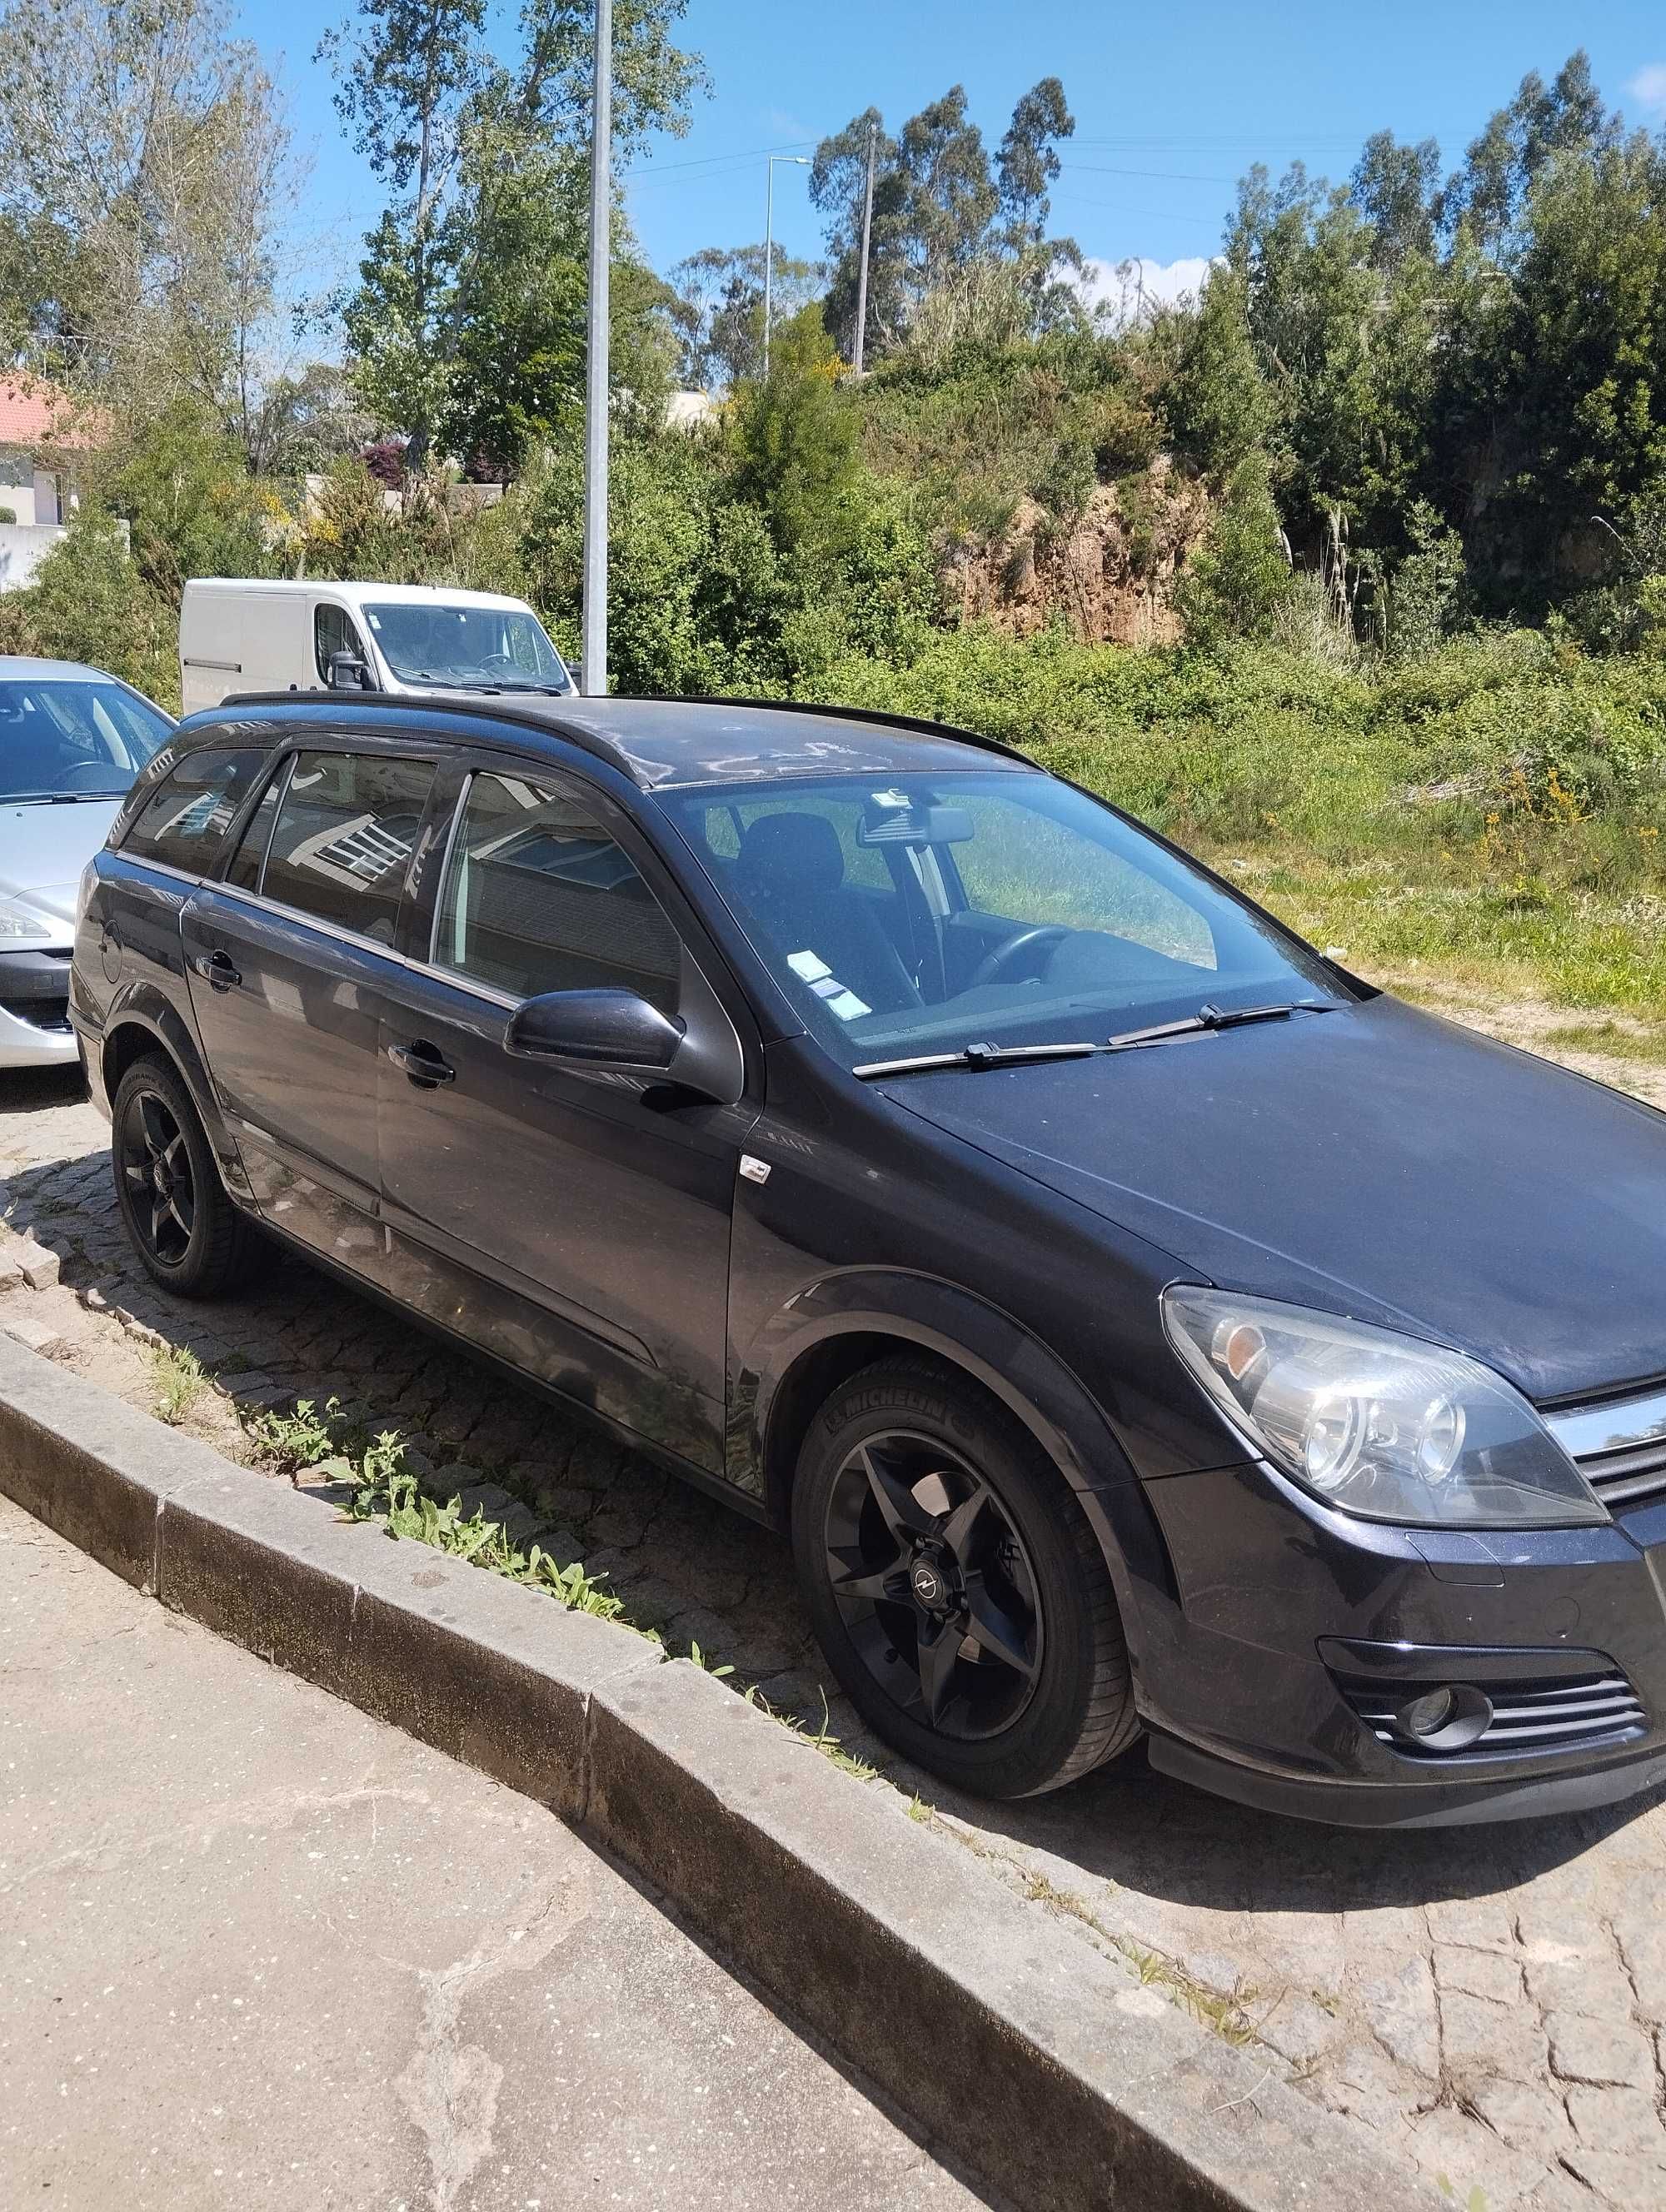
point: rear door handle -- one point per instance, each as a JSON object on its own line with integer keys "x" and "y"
{"x": 217, "y": 969}
{"x": 422, "y": 1062}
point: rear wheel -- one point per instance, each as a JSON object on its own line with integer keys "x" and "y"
{"x": 183, "y": 1226}
{"x": 958, "y": 1592}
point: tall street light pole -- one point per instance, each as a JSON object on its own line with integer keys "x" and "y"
{"x": 868, "y": 232}
{"x": 594, "y": 668}
{"x": 792, "y": 161}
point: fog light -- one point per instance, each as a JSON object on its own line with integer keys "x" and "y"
{"x": 1450, "y": 1718}
{"x": 1426, "y": 1715}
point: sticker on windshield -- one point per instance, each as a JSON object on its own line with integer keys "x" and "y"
{"x": 809, "y": 968}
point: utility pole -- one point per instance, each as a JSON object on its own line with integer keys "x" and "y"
{"x": 797, "y": 162}
{"x": 594, "y": 668}
{"x": 867, "y": 233}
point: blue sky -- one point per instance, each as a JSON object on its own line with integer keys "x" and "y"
{"x": 1172, "y": 101}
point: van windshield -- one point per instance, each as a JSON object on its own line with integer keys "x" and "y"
{"x": 466, "y": 647}
{"x": 915, "y": 914}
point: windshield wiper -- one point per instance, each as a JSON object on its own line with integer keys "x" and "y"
{"x": 977, "y": 1055}
{"x": 1006, "y": 1055}
{"x": 1214, "y": 1018}
{"x": 54, "y": 798}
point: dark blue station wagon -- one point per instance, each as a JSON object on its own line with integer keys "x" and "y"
{"x": 1141, "y": 1325}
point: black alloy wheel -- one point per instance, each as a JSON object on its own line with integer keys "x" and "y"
{"x": 933, "y": 1585}
{"x": 956, "y": 1588}
{"x": 155, "y": 1166}
{"x": 183, "y": 1226}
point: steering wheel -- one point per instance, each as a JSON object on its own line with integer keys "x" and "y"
{"x": 1037, "y": 945}
{"x": 75, "y": 778}
{"x": 496, "y": 660}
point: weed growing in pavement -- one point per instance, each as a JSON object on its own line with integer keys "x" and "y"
{"x": 384, "y": 1489}
{"x": 180, "y": 1380}
{"x": 1210, "y": 2007}
{"x": 324, "y": 1443}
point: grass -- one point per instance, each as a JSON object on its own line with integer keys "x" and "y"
{"x": 1495, "y": 811}
{"x": 179, "y": 1381}
{"x": 1619, "y": 1040}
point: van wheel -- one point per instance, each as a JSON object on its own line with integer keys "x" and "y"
{"x": 955, "y": 1586}
{"x": 188, "y": 1233}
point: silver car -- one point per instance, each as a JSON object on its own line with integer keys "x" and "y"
{"x": 71, "y": 741}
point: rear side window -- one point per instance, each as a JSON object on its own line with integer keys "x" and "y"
{"x": 333, "y": 632}
{"x": 184, "y": 822}
{"x": 539, "y": 898}
{"x": 345, "y": 831}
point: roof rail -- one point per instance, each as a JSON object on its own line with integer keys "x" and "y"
{"x": 500, "y": 708}
{"x": 919, "y": 725}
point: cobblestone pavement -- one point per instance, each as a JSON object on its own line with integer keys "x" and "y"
{"x": 1493, "y": 2001}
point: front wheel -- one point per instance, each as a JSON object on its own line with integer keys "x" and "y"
{"x": 956, "y": 1591}
{"x": 173, "y": 1206}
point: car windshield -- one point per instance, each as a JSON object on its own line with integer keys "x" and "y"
{"x": 61, "y": 740}
{"x": 472, "y": 647}
{"x": 912, "y": 916}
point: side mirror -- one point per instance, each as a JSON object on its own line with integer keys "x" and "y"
{"x": 348, "y": 673}
{"x": 611, "y": 1029}
{"x": 576, "y": 673}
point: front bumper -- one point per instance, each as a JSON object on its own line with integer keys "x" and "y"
{"x": 1258, "y": 1684}
{"x": 35, "y": 1025}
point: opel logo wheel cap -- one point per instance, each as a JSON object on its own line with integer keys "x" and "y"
{"x": 928, "y": 1583}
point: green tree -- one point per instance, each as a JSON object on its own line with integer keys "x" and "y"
{"x": 1028, "y": 163}
{"x": 838, "y": 186}
{"x": 1213, "y": 395}
{"x": 146, "y": 173}
{"x": 1394, "y": 188}
{"x": 466, "y": 271}
{"x": 1235, "y": 585}
{"x": 793, "y": 440}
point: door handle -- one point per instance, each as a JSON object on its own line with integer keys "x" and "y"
{"x": 217, "y": 969}
{"x": 423, "y": 1063}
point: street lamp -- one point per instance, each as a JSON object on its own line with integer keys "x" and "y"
{"x": 794, "y": 160}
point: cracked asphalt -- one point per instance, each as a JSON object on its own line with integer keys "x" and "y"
{"x": 1491, "y": 2003}
{"x": 261, "y": 1949}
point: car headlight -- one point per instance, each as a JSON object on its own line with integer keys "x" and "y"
{"x": 1379, "y": 1424}
{"x": 21, "y": 925}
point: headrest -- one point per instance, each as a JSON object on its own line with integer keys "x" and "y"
{"x": 782, "y": 854}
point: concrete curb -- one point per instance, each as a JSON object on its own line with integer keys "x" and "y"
{"x": 1042, "y": 2064}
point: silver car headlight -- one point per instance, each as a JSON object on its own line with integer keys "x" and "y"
{"x": 21, "y": 925}
{"x": 1377, "y": 1424}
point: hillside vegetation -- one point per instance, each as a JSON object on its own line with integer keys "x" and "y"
{"x": 1350, "y": 572}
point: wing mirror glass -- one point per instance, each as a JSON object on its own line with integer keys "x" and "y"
{"x": 613, "y": 1029}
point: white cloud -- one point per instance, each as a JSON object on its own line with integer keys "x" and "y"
{"x": 1123, "y": 291}
{"x": 1647, "y": 88}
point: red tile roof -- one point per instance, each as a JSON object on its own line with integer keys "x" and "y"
{"x": 35, "y": 414}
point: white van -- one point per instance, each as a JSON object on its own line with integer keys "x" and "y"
{"x": 255, "y": 636}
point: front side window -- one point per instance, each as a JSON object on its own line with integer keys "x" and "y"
{"x": 184, "y": 822}
{"x": 539, "y": 896}
{"x": 67, "y": 740}
{"x": 346, "y": 827}
{"x": 465, "y": 647}
{"x": 923, "y": 915}
{"x": 334, "y": 633}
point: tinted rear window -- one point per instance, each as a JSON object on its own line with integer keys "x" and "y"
{"x": 184, "y": 822}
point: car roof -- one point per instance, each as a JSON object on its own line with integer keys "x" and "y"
{"x": 356, "y": 592}
{"x": 666, "y": 744}
{"x": 18, "y": 665}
